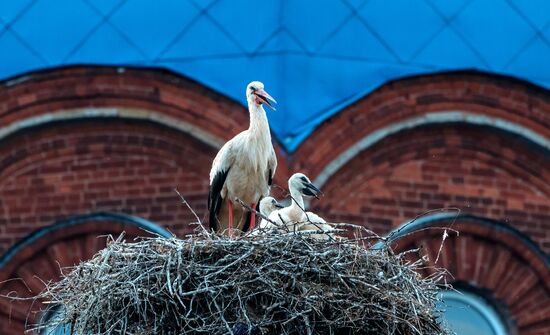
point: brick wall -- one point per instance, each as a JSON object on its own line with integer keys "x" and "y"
{"x": 171, "y": 95}
{"x": 477, "y": 169}
{"x": 472, "y": 169}
{"x": 71, "y": 168}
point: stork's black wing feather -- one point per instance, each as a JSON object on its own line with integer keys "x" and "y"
{"x": 215, "y": 199}
{"x": 270, "y": 177}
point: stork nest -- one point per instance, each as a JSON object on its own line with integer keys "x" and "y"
{"x": 271, "y": 284}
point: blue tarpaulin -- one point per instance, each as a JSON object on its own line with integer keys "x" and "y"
{"x": 315, "y": 57}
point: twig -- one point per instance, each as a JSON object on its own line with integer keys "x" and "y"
{"x": 199, "y": 223}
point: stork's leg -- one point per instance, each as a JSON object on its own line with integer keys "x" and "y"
{"x": 230, "y": 212}
{"x": 253, "y": 216}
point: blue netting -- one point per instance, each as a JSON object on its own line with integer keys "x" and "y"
{"x": 314, "y": 56}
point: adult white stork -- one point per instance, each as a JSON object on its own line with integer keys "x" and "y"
{"x": 295, "y": 217}
{"x": 243, "y": 168}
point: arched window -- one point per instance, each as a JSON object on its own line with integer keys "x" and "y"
{"x": 37, "y": 258}
{"x": 52, "y": 315}
{"x": 468, "y": 313}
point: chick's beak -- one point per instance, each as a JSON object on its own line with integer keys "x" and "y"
{"x": 265, "y": 97}
{"x": 311, "y": 190}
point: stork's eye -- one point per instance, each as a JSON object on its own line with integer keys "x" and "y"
{"x": 304, "y": 179}
{"x": 254, "y": 89}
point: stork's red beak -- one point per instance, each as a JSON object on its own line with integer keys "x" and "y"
{"x": 264, "y": 97}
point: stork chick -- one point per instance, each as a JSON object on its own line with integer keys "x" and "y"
{"x": 295, "y": 217}
{"x": 243, "y": 168}
{"x": 268, "y": 205}
{"x": 298, "y": 185}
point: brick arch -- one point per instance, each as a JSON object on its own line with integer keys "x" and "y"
{"x": 80, "y": 93}
{"x": 477, "y": 98}
{"x": 66, "y": 168}
{"x": 479, "y": 170}
{"x": 130, "y": 93}
{"x": 492, "y": 256}
{"x": 38, "y": 258}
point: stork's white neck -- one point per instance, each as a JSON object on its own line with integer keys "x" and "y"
{"x": 258, "y": 120}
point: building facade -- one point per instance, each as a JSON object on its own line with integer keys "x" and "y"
{"x": 93, "y": 151}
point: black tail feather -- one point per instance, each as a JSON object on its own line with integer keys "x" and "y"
{"x": 215, "y": 199}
